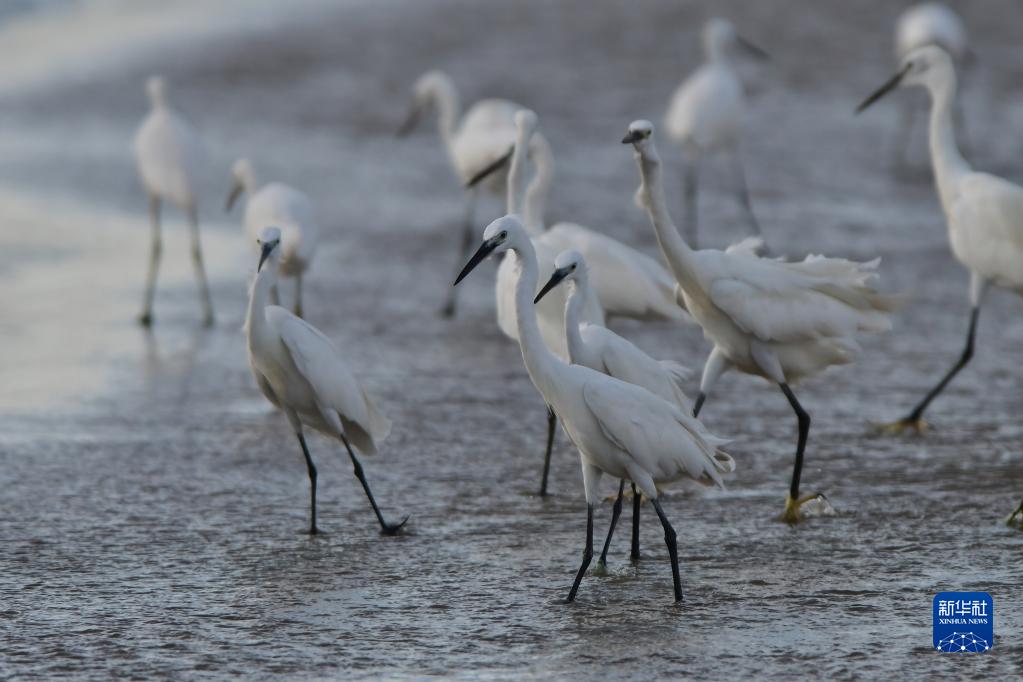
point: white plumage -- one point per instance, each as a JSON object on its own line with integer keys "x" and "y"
{"x": 284, "y": 207}
{"x": 620, "y": 429}
{"x": 169, "y": 156}
{"x": 300, "y": 371}
{"x": 930, "y": 23}
{"x": 781, "y": 321}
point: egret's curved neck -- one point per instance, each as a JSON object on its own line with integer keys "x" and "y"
{"x": 259, "y": 294}
{"x": 573, "y": 311}
{"x": 949, "y": 164}
{"x": 539, "y": 188}
{"x": 675, "y": 250}
{"x": 445, "y": 98}
{"x": 515, "y": 200}
{"x": 715, "y": 51}
{"x": 541, "y": 363}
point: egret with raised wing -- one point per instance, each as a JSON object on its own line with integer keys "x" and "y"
{"x": 284, "y": 207}
{"x": 769, "y": 318}
{"x": 597, "y": 347}
{"x": 705, "y": 115}
{"x": 169, "y": 156}
{"x": 301, "y": 372}
{"x": 619, "y": 429}
{"x": 477, "y": 143}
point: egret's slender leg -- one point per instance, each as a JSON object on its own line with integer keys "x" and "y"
{"x": 1018, "y": 514}
{"x": 671, "y": 542}
{"x": 691, "y": 210}
{"x": 637, "y": 500}
{"x": 385, "y": 528}
{"x": 616, "y": 511}
{"x": 914, "y": 420}
{"x": 793, "y": 502}
{"x": 313, "y": 530}
{"x": 587, "y": 554}
{"x": 467, "y": 240}
{"x": 146, "y": 318}
{"x": 200, "y": 271}
{"x": 298, "y": 293}
{"x": 742, "y": 192}
{"x": 552, "y": 424}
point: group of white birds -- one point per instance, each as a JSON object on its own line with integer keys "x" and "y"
{"x": 627, "y": 413}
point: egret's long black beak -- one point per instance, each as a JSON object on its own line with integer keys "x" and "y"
{"x": 889, "y": 85}
{"x": 556, "y": 278}
{"x": 632, "y": 137}
{"x": 491, "y": 169}
{"x": 264, "y": 253}
{"x": 486, "y": 248}
{"x": 236, "y": 191}
{"x": 410, "y": 120}
{"x": 752, "y": 49}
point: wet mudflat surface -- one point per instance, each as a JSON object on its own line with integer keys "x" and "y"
{"x": 152, "y": 504}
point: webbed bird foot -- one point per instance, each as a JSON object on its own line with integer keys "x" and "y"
{"x": 917, "y": 425}
{"x": 792, "y": 515}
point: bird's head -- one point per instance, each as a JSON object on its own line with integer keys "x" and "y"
{"x": 720, "y": 38}
{"x": 504, "y": 233}
{"x": 640, "y": 135}
{"x": 927, "y": 66}
{"x": 243, "y": 178}
{"x": 425, "y": 91}
{"x": 526, "y": 122}
{"x": 568, "y": 266}
{"x": 156, "y": 90}
{"x": 269, "y": 246}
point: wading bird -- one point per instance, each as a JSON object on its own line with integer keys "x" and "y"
{"x": 619, "y": 429}
{"x": 600, "y": 349}
{"x": 279, "y": 205}
{"x": 478, "y": 142}
{"x": 169, "y": 155}
{"x": 300, "y": 371}
{"x": 928, "y": 23}
{"x": 984, "y": 212}
{"x": 780, "y": 321}
{"x": 705, "y": 115}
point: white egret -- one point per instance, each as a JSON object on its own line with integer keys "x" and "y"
{"x": 772, "y": 319}
{"x": 169, "y": 155}
{"x": 300, "y": 371}
{"x": 282, "y": 206}
{"x": 983, "y": 212}
{"x": 619, "y": 429}
{"x": 597, "y": 347}
{"x": 476, "y": 143}
{"x": 928, "y": 23}
{"x": 705, "y": 115}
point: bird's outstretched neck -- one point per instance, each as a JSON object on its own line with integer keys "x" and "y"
{"x": 259, "y": 294}
{"x": 540, "y": 362}
{"x": 949, "y": 164}
{"x": 678, "y": 253}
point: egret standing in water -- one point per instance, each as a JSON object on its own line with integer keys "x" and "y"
{"x": 283, "y": 207}
{"x": 476, "y": 144}
{"x": 984, "y": 212}
{"x": 780, "y": 321}
{"x": 300, "y": 371}
{"x": 597, "y": 347}
{"x": 619, "y": 429}
{"x": 169, "y": 156}
{"x": 928, "y": 23}
{"x": 705, "y": 115}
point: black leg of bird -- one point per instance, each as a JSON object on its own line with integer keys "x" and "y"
{"x": 742, "y": 193}
{"x": 967, "y": 354}
{"x": 637, "y": 500}
{"x": 464, "y": 248}
{"x": 699, "y": 404}
{"x": 146, "y": 318}
{"x": 587, "y": 555}
{"x": 616, "y": 511}
{"x": 672, "y": 544}
{"x": 385, "y": 528}
{"x": 200, "y": 270}
{"x": 311, "y": 468}
{"x": 552, "y": 425}
{"x": 804, "y": 430}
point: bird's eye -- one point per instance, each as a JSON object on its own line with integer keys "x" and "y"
{"x": 259, "y": 241}
{"x": 504, "y": 234}
{"x": 573, "y": 266}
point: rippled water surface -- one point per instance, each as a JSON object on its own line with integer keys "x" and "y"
{"x": 152, "y": 504}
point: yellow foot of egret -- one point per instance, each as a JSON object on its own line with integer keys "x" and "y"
{"x": 627, "y": 495}
{"x": 791, "y": 515}
{"x": 918, "y": 426}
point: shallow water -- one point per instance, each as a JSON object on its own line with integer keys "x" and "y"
{"x": 153, "y": 503}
